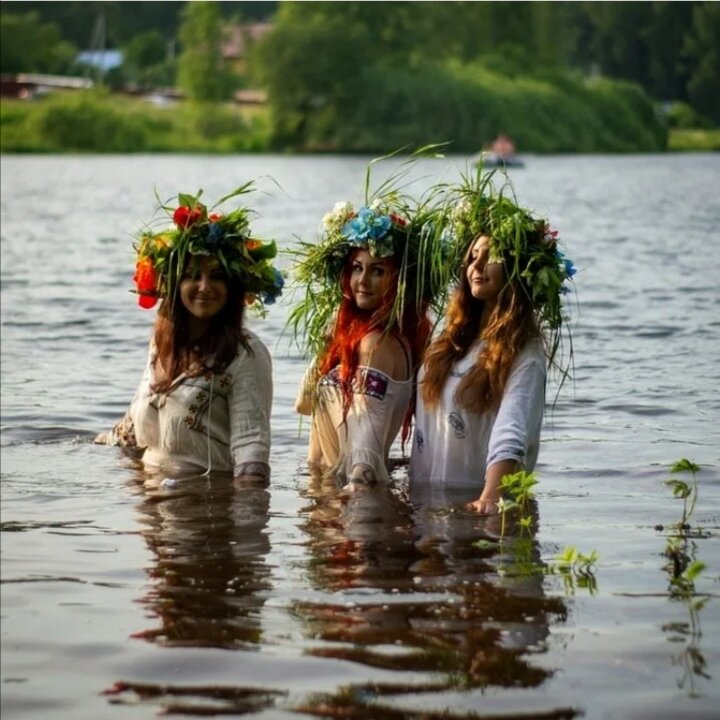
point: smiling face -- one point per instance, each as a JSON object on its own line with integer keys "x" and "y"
{"x": 486, "y": 279}
{"x": 203, "y": 288}
{"x": 370, "y": 280}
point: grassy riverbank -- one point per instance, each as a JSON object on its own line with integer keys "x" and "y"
{"x": 101, "y": 122}
{"x": 684, "y": 140}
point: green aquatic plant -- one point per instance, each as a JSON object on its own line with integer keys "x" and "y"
{"x": 576, "y": 569}
{"x": 683, "y": 571}
{"x": 519, "y": 486}
{"x": 688, "y": 492}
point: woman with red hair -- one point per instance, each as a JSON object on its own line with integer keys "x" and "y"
{"x": 365, "y": 318}
{"x": 481, "y": 390}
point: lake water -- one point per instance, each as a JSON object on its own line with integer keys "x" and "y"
{"x": 119, "y": 602}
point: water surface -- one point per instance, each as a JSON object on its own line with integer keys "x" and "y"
{"x": 118, "y": 601}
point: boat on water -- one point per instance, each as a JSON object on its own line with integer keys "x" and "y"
{"x": 493, "y": 160}
{"x": 500, "y": 153}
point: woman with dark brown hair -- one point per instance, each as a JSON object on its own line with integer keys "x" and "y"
{"x": 481, "y": 389}
{"x": 204, "y": 401}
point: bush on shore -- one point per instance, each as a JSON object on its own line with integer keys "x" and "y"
{"x": 99, "y": 122}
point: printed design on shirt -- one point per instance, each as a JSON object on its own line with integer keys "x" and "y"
{"x": 419, "y": 440}
{"x": 457, "y": 425}
{"x": 366, "y": 382}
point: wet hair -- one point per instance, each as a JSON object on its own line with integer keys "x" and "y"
{"x": 511, "y": 326}
{"x": 175, "y": 354}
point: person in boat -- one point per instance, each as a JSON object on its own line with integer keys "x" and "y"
{"x": 481, "y": 389}
{"x": 502, "y": 146}
{"x": 365, "y": 320}
{"x": 205, "y": 398}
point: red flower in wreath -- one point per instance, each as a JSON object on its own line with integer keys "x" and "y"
{"x": 398, "y": 220}
{"x": 185, "y": 217}
{"x": 145, "y": 279}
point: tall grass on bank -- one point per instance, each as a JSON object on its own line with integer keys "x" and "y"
{"x": 100, "y": 122}
{"x": 688, "y": 140}
{"x": 468, "y": 105}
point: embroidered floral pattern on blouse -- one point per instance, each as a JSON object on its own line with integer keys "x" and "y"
{"x": 200, "y": 406}
{"x": 366, "y": 382}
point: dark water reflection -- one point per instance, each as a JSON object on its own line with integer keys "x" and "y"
{"x": 209, "y": 579}
{"x": 445, "y": 607}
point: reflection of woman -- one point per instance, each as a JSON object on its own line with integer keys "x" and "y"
{"x": 205, "y": 398}
{"x": 482, "y": 386}
{"x": 209, "y": 576}
{"x": 365, "y": 318}
{"x": 410, "y": 589}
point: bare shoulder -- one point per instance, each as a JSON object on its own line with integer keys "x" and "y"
{"x": 385, "y": 353}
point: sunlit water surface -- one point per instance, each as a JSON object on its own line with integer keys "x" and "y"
{"x": 120, "y": 602}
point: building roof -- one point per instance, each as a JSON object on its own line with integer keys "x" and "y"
{"x": 239, "y": 37}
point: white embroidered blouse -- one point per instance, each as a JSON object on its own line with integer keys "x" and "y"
{"x": 453, "y": 447}
{"x": 219, "y": 421}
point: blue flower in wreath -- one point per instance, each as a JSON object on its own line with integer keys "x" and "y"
{"x": 269, "y": 296}
{"x": 366, "y": 226}
{"x": 215, "y": 237}
{"x": 566, "y": 263}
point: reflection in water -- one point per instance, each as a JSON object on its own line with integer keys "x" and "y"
{"x": 209, "y": 583}
{"x": 473, "y": 618}
{"x": 209, "y": 580}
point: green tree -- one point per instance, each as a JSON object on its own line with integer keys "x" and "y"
{"x": 664, "y": 35}
{"x": 201, "y": 70}
{"x": 146, "y": 60}
{"x": 702, "y": 49}
{"x": 29, "y": 45}
{"x": 314, "y": 73}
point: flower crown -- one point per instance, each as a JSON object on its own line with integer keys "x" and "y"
{"x": 386, "y": 228}
{"x": 524, "y": 244}
{"x": 161, "y": 256}
{"x": 372, "y": 228}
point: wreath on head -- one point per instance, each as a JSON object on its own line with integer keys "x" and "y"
{"x": 387, "y": 225}
{"x": 525, "y": 244}
{"x": 161, "y": 256}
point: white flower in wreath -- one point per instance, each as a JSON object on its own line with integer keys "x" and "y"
{"x": 461, "y": 209}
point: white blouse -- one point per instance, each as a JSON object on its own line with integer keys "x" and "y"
{"x": 219, "y": 421}
{"x": 452, "y": 447}
{"x": 364, "y": 436}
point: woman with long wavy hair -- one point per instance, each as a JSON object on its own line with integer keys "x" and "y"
{"x": 205, "y": 398}
{"x": 365, "y": 320}
{"x": 481, "y": 390}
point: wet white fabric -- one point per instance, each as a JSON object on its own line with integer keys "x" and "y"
{"x": 221, "y": 421}
{"x": 453, "y": 447}
{"x": 364, "y": 437}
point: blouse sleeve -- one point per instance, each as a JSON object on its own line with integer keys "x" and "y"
{"x": 249, "y": 406}
{"x": 123, "y": 432}
{"x": 519, "y": 417}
